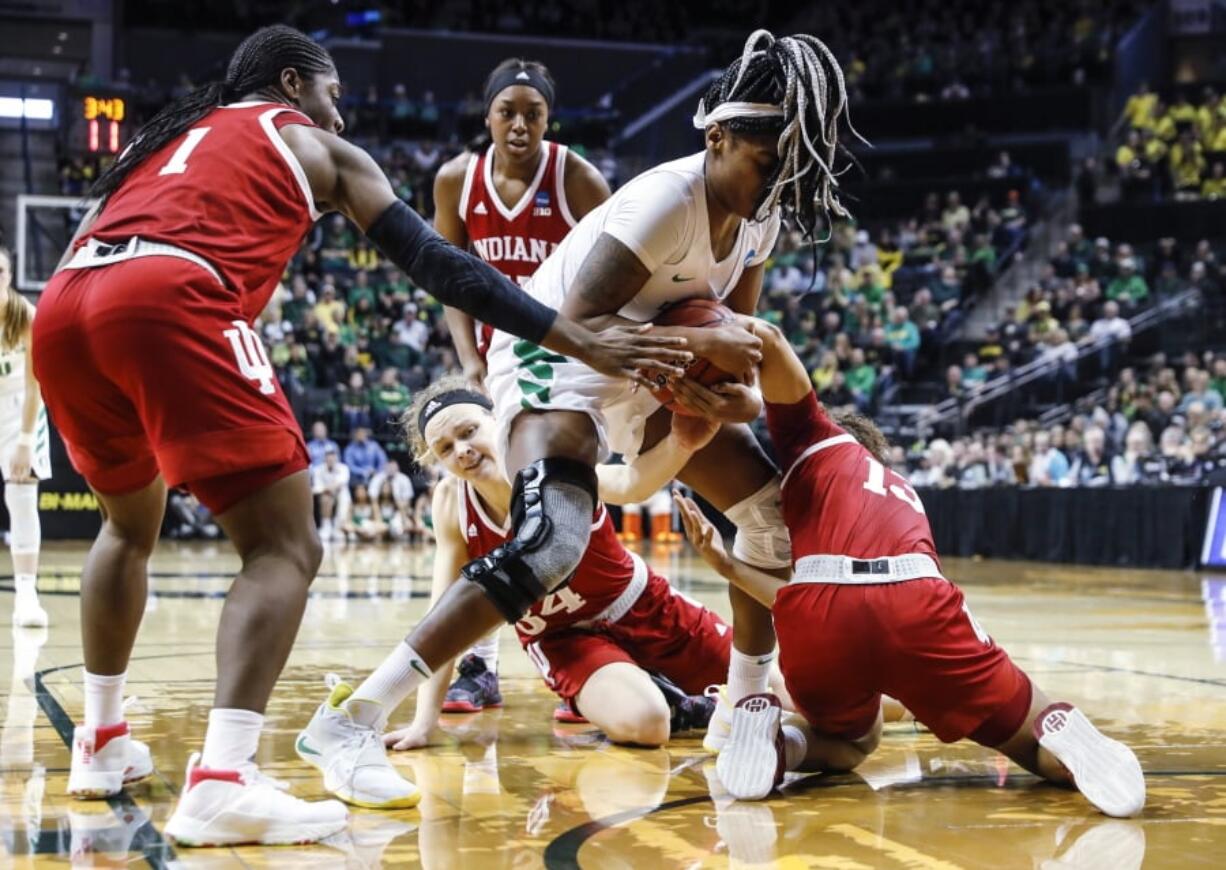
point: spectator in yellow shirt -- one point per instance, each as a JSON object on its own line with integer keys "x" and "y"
{"x": 1139, "y": 106}
{"x": 1187, "y": 160}
{"x": 329, "y": 310}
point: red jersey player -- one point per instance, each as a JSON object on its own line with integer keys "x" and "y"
{"x": 868, "y": 612}
{"x": 595, "y": 639}
{"x": 153, "y": 374}
{"x": 513, "y": 203}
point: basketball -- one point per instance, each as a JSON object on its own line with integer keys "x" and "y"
{"x": 705, "y": 313}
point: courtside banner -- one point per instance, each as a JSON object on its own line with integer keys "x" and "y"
{"x": 1213, "y": 550}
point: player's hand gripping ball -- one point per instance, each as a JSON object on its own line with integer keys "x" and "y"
{"x": 702, "y": 313}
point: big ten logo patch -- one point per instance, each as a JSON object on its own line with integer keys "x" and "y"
{"x": 67, "y": 501}
{"x": 251, "y": 357}
{"x": 542, "y": 207}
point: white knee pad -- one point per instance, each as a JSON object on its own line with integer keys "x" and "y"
{"x": 761, "y": 537}
{"x": 26, "y": 534}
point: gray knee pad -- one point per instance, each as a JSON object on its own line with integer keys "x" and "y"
{"x": 551, "y": 511}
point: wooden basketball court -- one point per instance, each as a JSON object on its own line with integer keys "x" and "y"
{"x": 1138, "y": 650}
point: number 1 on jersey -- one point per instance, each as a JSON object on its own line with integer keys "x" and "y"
{"x": 177, "y": 164}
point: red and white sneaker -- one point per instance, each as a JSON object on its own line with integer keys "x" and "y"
{"x": 752, "y": 762}
{"x": 1104, "y": 770}
{"x": 233, "y": 807}
{"x": 105, "y": 759}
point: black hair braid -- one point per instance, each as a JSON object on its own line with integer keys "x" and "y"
{"x": 255, "y": 65}
{"x": 800, "y": 75}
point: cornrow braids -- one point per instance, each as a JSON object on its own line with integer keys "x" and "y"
{"x": 255, "y": 65}
{"x": 801, "y": 76}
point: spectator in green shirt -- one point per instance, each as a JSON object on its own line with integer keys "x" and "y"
{"x": 388, "y": 398}
{"x": 903, "y": 338}
{"x": 299, "y": 303}
{"x": 861, "y": 379}
{"x": 361, "y": 289}
{"x": 1128, "y": 287}
{"x": 973, "y": 374}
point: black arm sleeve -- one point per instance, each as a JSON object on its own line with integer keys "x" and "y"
{"x": 456, "y": 277}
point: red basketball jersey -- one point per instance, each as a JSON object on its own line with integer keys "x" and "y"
{"x": 515, "y": 240}
{"x": 605, "y": 570}
{"x": 229, "y": 190}
{"x": 838, "y": 500}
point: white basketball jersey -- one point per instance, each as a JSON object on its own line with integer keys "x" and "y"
{"x": 13, "y": 374}
{"x": 661, "y": 216}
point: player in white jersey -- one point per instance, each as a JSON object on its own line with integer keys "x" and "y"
{"x": 698, "y": 227}
{"x": 25, "y": 456}
{"x": 770, "y": 125}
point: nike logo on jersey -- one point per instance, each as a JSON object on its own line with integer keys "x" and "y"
{"x": 481, "y": 209}
{"x": 677, "y": 279}
{"x": 752, "y": 253}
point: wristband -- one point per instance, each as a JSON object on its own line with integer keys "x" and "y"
{"x": 26, "y": 439}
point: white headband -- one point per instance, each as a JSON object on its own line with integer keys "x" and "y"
{"x": 725, "y": 111}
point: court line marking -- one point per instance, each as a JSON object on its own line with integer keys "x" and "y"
{"x": 147, "y": 840}
{"x": 562, "y": 852}
{"x": 1207, "y": 681}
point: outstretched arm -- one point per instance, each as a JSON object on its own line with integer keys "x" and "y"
{"x": 449, "y": 558}
{"x": 759, "y": 585}
{"x": 22, "y": 460}
{"x": 654, "y": 468}
{"x": 346, "y": 179}
{"x": 782, "y": 375}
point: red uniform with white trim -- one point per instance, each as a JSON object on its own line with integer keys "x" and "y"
{"x": 841, "y": 645}
{"x": 144, "y": 345}
{"x": 515, "y": 240}
{"x": 615, "y": 609}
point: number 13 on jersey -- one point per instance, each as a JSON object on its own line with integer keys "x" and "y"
{"x": 876, "y": 485}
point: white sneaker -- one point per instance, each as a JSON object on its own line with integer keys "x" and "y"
{"x": 235, "y": 807}
{"x": 28, "y": 613}
{"x": 342, "y": 742}
{"x": 751, "y": 763}
{"x": 720, "y": 725}
{"x": 105, "y": 759}
{"x": 1104, "y": 770}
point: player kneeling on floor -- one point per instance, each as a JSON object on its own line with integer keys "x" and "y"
{"x": 868, "y": 612}
{"x": 594, "y": 637}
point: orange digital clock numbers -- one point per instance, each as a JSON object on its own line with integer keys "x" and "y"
{"x": 108, "y": 108}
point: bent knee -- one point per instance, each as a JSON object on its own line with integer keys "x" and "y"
{"x": 643, "y": 728}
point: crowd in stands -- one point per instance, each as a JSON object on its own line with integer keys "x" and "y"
{"x": 878, "y": 305}
{"x": 1160, "y": 424}
{"x": 957, "y": 49}
{"x": 1157, "y": 422}
{"x": 1172, "y": 148}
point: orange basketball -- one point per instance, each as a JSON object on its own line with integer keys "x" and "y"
{"x": 699, "y": 313}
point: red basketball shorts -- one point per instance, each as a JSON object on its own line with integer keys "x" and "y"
{"x": 841, "y": 646}
{"x": 148, "y": 366}
{"x": 663, "y": 632}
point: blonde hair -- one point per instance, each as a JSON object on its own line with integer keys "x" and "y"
{"x": 17, "y": 311}
{"x": 410, "y": 431}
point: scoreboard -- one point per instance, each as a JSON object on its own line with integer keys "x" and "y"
{"x": 98, "y": 123}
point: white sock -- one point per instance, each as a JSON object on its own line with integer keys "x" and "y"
{"x": 26, "y": 586}
{"x": 232, "y": 738}
{"x": 103, "y": 699}
{"x": 395, "y": 679}
{"x": 748, "y": 674}
{"x": 795, "y": 747}
{"x": 487, "y": 650}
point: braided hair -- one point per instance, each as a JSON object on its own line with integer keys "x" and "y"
{"x": 255, "y": 65}
{"x": 800, "y": 75}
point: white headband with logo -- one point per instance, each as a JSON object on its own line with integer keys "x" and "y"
{"x": 727, "y": 111}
